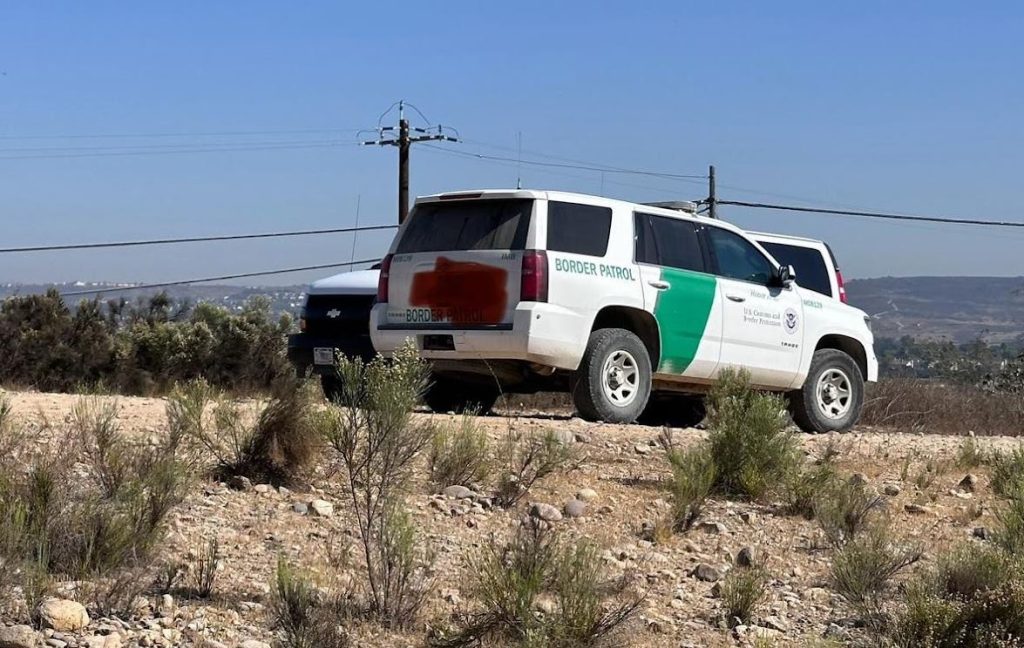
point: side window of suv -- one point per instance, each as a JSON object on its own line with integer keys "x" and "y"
{"x": 671, "y": 242}
{"x": 578, "y": 229}
{"x": 737, "y": 258}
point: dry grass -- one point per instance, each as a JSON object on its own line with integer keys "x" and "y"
{"x": 931, "y": 407}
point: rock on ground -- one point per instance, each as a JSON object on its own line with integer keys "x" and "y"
{"x": 19, "y": 636}
{"x": 63, "y": 615}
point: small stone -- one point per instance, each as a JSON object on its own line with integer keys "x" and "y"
{"x": 56, "y": 643}
{"x": 252, "y": 643}
{"x": 167, "y": 605}
{"x": 452, "y": 596}
{"x": 545, "y": 512}
{"x": 982, "y": 533}
{"x": 916, "y": 509}
{"x": 582, "y": 437}
{"x": 748, "y": 517}
{"x": 575, "y": 508}
{"x": 586, "y": 495}
{"x": 300, "y": 507}
{"x": 239, "y": 483}
{"x": 746, "y": 557}
{"x": 62, "y": 615}
{"x": 706, "y": 573}
{"x": 714, "y": 528}
{"x": 775, "y": 623}
{"x": 564, "y": 436}
{"x": 968, "y": 483}
{"x": 458, "y": 492}
{"x": 19, "y": 636}
{"x": 546, "y": 605}
{"x": 858, "y": 479}
{"x": 213, "y": 643}
{"x": 263, "y": 488}
{"x": 641, "y": 449}
{"x": 321, "y": 508}
{"x": 892, "y": 490}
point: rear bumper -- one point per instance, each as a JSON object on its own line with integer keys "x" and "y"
{"x": 301, "y": 345}
{"x": 544, "y": 334}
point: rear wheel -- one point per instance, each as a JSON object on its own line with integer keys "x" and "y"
{"x": 448, "y": 395}
{"x": 613, "y": 381}
{"x": 832, "y": 395}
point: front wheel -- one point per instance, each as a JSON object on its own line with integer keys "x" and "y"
{"x": 613, "y": 381}
{"x": 832, "y": 395}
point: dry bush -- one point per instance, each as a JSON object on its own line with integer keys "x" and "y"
{"x": 970, "y": 454}
{"x": 510, "y": 581}
{"x": 205, "y": 557}
{"x": 528, "y": 459}
{"x": 845, "y": 508}
{"x": 693, "y": 477}
{"x": 460, "y": 455}
{"x": 803, "y": 488}
{"x": 372, "y": 430}
{"x": 1007, "y": 471}
{"x": 753, "y": 452}
{"x": 277, "y": 448}
{"x": 939, "y": 408}
{"x": 743, "y": 589}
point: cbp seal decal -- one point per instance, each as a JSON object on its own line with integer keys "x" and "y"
{"x": 791, "y": 321}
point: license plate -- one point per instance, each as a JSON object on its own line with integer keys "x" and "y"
{"x": 323, "y": 355}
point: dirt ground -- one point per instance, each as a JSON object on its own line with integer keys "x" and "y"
{"x": 625, "y": 467}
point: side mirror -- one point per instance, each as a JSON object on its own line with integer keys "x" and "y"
{"x": 787, "y": 275}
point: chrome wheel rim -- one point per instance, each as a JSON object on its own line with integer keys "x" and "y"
{"x": 834, "y": 394}
{"x": 620, "y": 378}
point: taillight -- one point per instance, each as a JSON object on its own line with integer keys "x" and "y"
{"x": 842, "y": 286}
{"x": 534, "y": 280}
{"x": 382, "y": 280}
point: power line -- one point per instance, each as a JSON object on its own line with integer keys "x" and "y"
{"x": 193, "y": 239}
{"x": 180, "y": 134}
{"x": 241, "y": 275}
{"x": 583, "y": 167}
{"x": 864, "y": 214}
{"x": 107, "y": 152}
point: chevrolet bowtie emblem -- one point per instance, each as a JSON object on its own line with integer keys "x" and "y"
{"x": 334, "y": 312}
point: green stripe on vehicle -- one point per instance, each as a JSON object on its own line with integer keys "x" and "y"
{"x": 682, "y": 313}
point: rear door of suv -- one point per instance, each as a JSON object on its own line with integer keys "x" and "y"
{"x": 458, "y": 264}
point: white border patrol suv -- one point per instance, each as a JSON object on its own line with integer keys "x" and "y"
{"x": 523, "y": 291}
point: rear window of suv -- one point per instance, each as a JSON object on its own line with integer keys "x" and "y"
{"x": 467, "y": 225}
{"x": 811, "y": 271}
{"x": 578, "y": 229}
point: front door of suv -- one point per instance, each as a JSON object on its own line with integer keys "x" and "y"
{"x": 681, "y": 294}
{"x": 762, "y": 324}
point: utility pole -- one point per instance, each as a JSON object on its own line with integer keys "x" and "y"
{"x": 404, "y": 142}
{"x": 712, "y": 199}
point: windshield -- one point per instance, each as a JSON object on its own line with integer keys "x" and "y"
{"x": 467, "y": 225}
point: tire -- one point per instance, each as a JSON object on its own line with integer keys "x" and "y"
{"x": 673, "y": 410}
{"x": 331, "y": 384}
{"x": 816, "y": 407}
{"x": 446, "y": 395}
{"x": 613, "y": 381}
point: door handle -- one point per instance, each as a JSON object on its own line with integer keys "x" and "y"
{"x": 737, "y": 298}
{"x": 660, "y": 285}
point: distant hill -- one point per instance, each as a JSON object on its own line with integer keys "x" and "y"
{"x": 960, "y": 308}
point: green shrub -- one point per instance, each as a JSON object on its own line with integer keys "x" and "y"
{"x": 205, "y": 557}
{"x": 970, "y": 454}
{"x": 299, "y": 610}
{"x": 743, "y": 589}
{"x": 372, "y": 430}
{"x": 1007, "y": 471}
{"x": 460, "y": 455}
{"x": 752, "y": 450}
{"x": 974, "y": 597}
{"x": 863, "y": 566}
{"x": 693, "y": 476}
{"x": 1010, "y": 535}
{"x": 803, "y": 488}
{"x": 527, "y": 459}
{"x": 844, "y": 508}
{"x": 510, "y": 581}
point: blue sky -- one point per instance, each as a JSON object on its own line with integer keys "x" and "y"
{"x": 913, "y": 107}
